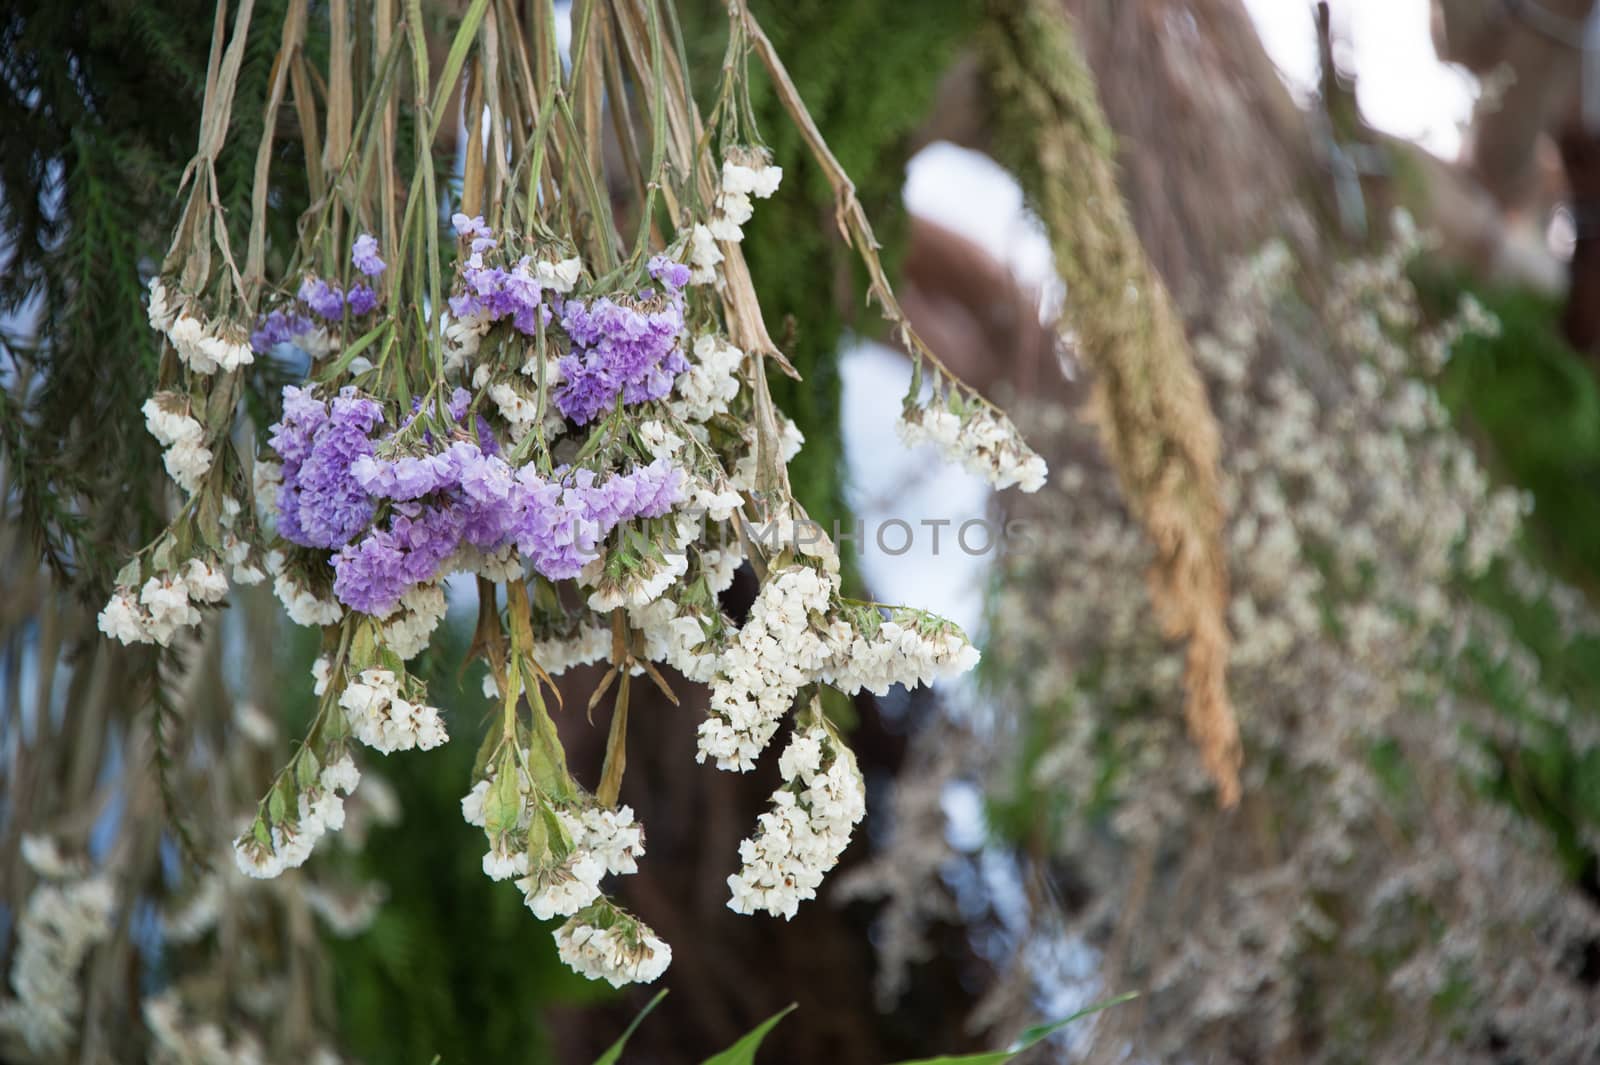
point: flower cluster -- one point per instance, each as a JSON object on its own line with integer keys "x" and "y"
{"x": 204, "y": 349}
{"x": 604, "y": 943}
{"x": 912, "y": 648}
{"x": 187, "y": 458}
{"x": 754, "y": 177}
{"x": 267, "y": 850}
{"x": 165, "y": 605}
{"x": 800, "y": 839}
{"x": 779, "y": 650}
{"x": 620, "y": 350}
{"x": 515, "y": 291}
{"x": 65, "y": 916}
{"x": 751, "y": 175}
{"x": 980, "y": 439}
{"x": 382, "y": 718}
{"x": 591, "y": 446}
{"x": 558, "y": 854}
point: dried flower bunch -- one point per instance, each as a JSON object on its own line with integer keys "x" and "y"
{"x": 575, "y": 416}
{"x": 1374, "y": 692}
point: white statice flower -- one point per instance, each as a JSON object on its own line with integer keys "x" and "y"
{"x": 711, "y": 382}
{"x": 591, "y": 643}
{"x": 227, "y": 350}
{"x": 808, "y": 827}
{"x": 909, "y": 654}
{"x": 659, "y": 441}
{"x": 720, "y": 567}
{"x": 238, "y": 554}
{"x": 472, "y": 803}
{"x": 777, "y": 652}
{"x": 612, "y": 837}
{"x": 266, "y": 480}
{"x": 186, "y": 334}
{"x": 319, "y": 810}
{"x": 733, "y": 211}
{"x": 167, "y": 608}
{"x": 564, "y": 888}
{"x": 160, "y": 311}
{"x": 624, "y": 952}
{"x": 124, "y": 620}
{"x": 168, "y": 421}
{"x": 501, "y": 862}
{"x": 43, "y": 855}
{"x": 985, "y": 443}
{"x": 384, "y": 720}
{"x": 520, "y": 412}
{"x": 733, "y": 207}
{"x": 462, "y": 338}
{"x": 704, "y": 255}
{"x": 321, "y": 674}
{"x": 187, "y": 463}
{"x": 303, "y": 606}
{"x": 59, "y": 925}
{"x": 204, "y": 582}
{"x": 500, "y": 565}
{"x": 187, "y": 458}
{"x": 676, "y": 638}
{"x": 760, "y": 181}
{"x": 560, "y": 276}
{"x": 407, "y": 631}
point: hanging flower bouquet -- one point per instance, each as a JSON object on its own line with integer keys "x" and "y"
{"x": 578, "y": 418}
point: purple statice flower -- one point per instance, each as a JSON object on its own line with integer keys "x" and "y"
{"x": 500, "y": 293}
{"x": 551, "y": 533}
{"x": 364, "y": 254}
{"x": 321, "y": 503}
{"x": 293, "y": 437}
{"x": 647, "y": 492}
{"x": 657, "y": 381}
{"x": 587, "y": 389}
{"x": 325, "y": 300}
{"x": 361, "y": 299}
{"x": 617, "y": 350}
{"x": 482, "y": 291}
{"x": 472, "y": 228}
{"x": 292, "y": 434}
{"x": 333, "y": 507}
{"x": 366, "y": 574}
{"x": 372, "y": 574}
{"x": 408, "y": 477}
{"x": 490, "y": 498}
{"x": 276, "y": 329}
{"x": 674, "y": 275}
{"x": 560, "y": 523}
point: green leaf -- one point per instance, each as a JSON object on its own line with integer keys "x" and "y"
{"x": 614, "y": 1054}
{"x": 342, "y": 363}
{"x": 1028, "y": 1039}
{"x": 307, "y": 769}
{"x": 503, "y": 805}
{"x": 744, "y": 1051}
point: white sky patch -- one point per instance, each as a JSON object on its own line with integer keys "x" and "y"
{"x": 1401, "y": 85}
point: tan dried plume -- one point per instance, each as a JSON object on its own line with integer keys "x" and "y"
{"x": 1148, "y": 401}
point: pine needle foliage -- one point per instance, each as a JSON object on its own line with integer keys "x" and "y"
{"x": 98, "y": 109}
